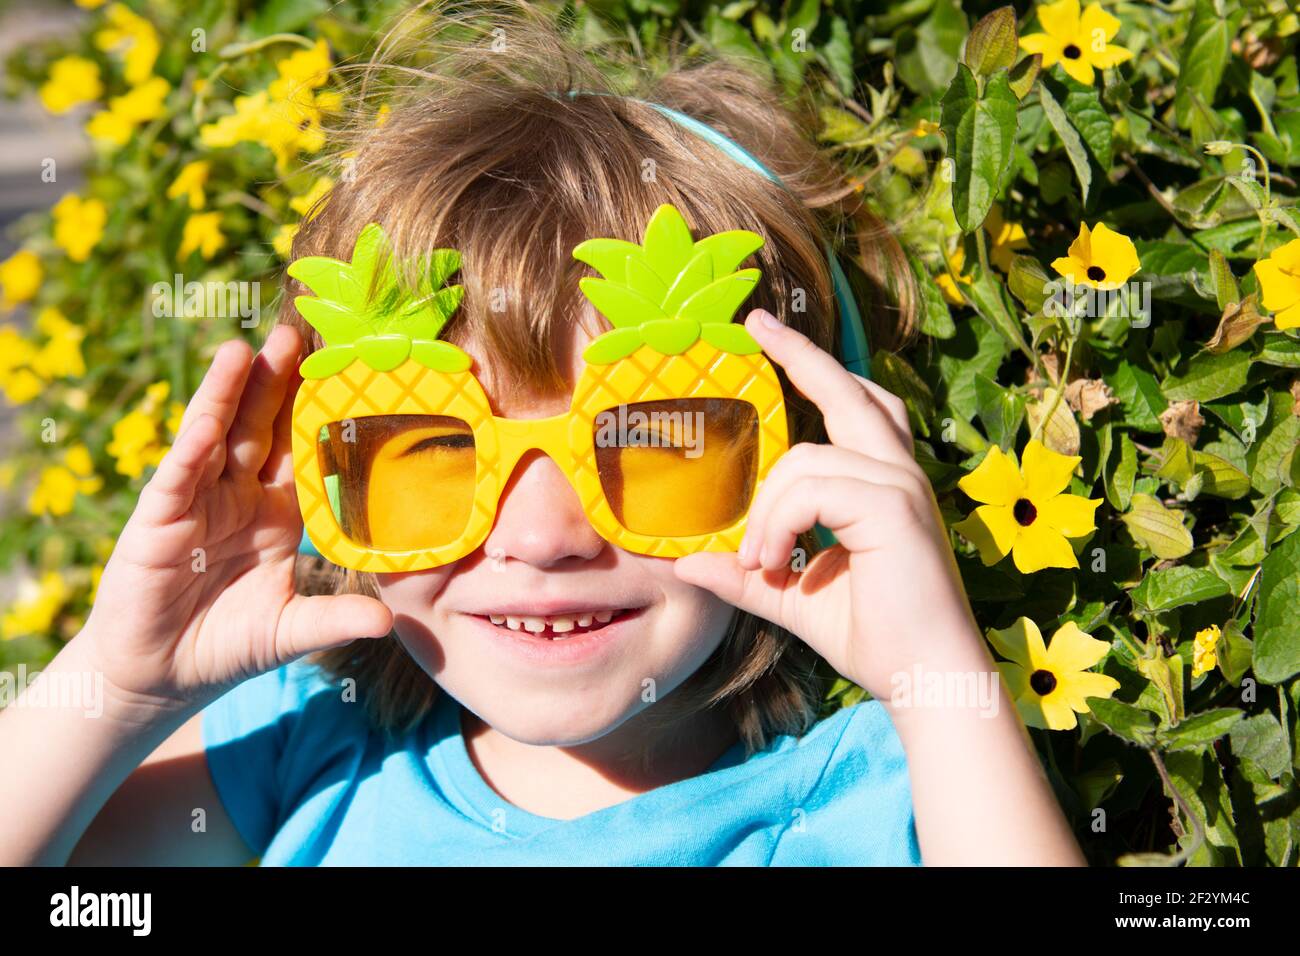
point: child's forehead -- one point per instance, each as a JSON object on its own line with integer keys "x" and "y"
{"x": 507, "y": 397}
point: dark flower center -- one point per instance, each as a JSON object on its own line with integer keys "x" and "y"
{"x": 1025, "y": 512}
{"x": 1072, "y": 52}
{"x": 1096, "y": 273}
{"x": 1043, "y": 682}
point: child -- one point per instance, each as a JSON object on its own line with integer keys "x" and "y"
{"x": 443, "y": 716}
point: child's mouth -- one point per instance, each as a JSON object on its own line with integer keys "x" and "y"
{"x": 558, "y": 627}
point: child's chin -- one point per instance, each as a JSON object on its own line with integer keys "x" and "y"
{"x": 547, "y": 721}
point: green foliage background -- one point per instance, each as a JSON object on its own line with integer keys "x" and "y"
{"x": 1196, "y": 529}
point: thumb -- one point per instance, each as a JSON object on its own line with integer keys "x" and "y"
{"x": 760, "y": 592}
{"x": 323, "y": 621}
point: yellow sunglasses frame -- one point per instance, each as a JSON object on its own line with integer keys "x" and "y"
{"x": 568, "y": 439}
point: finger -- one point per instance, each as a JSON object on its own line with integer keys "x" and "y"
{"x": 809, "y": 460}
{"x": 323, "y": 621}
{"x": 762, "y": 593}
{"x": 251, "y": 434}
{"x": 170, "y": 492}
{"x": 223, "y": 383}
{"x": 853, "y": 420}
{"x": 854, "y": 510}
{"x": 278, "y": 467}
{"x": 894, "y": 407}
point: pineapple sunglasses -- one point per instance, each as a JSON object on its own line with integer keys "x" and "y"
{"x": 675, "y": 420}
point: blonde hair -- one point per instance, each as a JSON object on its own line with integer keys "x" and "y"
{"x": 482, "y": 150}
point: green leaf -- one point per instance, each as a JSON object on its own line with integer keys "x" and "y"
{"x": 993, "y": 43}
{"x": 1139, "y": 395}
{"x": 327, "y": 361}
{"x": 671, "y": 336}
{"x": 613, "y": 345}
{"x": 383, "y": 353}
{"x": 1200, "y": 729}
{"x": 1203, "y": 56}
{"x": 926, "y": 56}
{"x": 1119, "y": 483}
{"x": 1024, "y": 73}
{"x": 1279, "y": 349}
{"x": 1234, "y": 653}
{"x": 719, "y": 300}
{"x": 1070, "y": 139}
{"x": 1028, "y": 282}
{"x": 981, "y": 131}
{"x": 286, "y": 16}
{"x": 1221, "y": 478}
{"x": 1277, "y": 638}
{"x": 985, "y": 292}
{"x": 623, "y": 306}
{"x": 1177, "y": 586}
{"x": 1226, "y": 291}
{"x": 896, "y": 376}
{"x": 440, "y": 356}
{"x": 1087, "y": 115}
{"x": 1157, "y": 528}
{"x": 1275, "y": 445}
{"x": 936, "y": 319}
{"x": 1209, "y": 376}
{"x": 1124, "y": 720}
{"x": 729, "y": 337}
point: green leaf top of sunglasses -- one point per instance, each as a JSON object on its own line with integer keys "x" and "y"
{"x": 670, "y": 291}
{"x": 364, "y": 311}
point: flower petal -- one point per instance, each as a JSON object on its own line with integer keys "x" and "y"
{"x": 1049, "y": 47}
{"x": 1288, "y": 318}
{"x": 1047, "y": 473}
{"x": 1079, "y": 69}
{"x": 1072, "y": 515}
{"x": 1109, "y": 57}
{"x": 1039, "y": 547}
{"x": 1057, "y": 713}
{"x": 1021, "y": 643}
{"x": 1071, "y": 268}
{"x": 1075, "y": 689}
{"x": 996, "y": 481}
{"x": 1095, "y": 18}
{"x": 1060, "y": 19}
{"x": 1281, "y": 290}
{"x": 1287, "y": 257}
{"x": 1081, "y": 249}
{"x": 1072, "y": 651}
{"x": 991, "y": 528}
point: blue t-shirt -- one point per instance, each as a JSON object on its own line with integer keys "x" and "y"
{"x": 306, "y": 781}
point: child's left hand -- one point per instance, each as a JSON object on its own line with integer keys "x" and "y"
{"x": 888, "y": 595}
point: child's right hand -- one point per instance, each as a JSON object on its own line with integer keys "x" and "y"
{"x": 198, "y": 594}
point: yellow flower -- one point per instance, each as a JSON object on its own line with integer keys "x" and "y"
{"x": 1051, "y": 684}
{"x": 319, "y": 190}
{"x": 924, "y": 127}
{"x": 59, "y": 485}
{"x": 1279, "y": 280}
{"x": 19, "y": 382}
{"x": 137, "y": 441}
{"x": 136, "y": 107}
{"x": 1008, "y": 237}
{"x": 957, "y": 260}
{"x": 20, "y": 278}
{"x": 286, "y": 116}
{"x": 73, "y": 80}
{"x": 282, "y": 241}
{"x": 133, "y": 36}
{"x": 60, "y": 357}
{"x": 1204, "y": 645}
{"x": 202, "y": 234}
{"x": 37, "y": 607}
{"x": 1079, "y": 43}
{"x": 1102, "y": 258}
{"x": 1025, "y": 511}
{"x": 190, "y": 181}
{"x": 90, "y": 4}
{"x": 78, "y": 225}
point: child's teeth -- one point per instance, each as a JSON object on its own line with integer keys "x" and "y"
{"x": 560, "y": 625}
{"x": 534, "y": 625}
{"x": 584, "y": 620}
{"x": 513, "y": 623}
{"x": 604, "y": 616}
{"x": 497, "y": 618}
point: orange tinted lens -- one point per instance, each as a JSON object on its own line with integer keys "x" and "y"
{"x": 678, "y": 467}
{"x": 399, "y": 482}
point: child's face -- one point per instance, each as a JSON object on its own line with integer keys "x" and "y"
{"x": 543, "y": 562}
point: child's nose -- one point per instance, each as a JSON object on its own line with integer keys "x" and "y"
{"x": 540, "y": 520}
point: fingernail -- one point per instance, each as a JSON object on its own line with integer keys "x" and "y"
{"x": 768, "y": 319}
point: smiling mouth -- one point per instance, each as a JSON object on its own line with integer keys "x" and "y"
{"x": 558, "y": 627}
